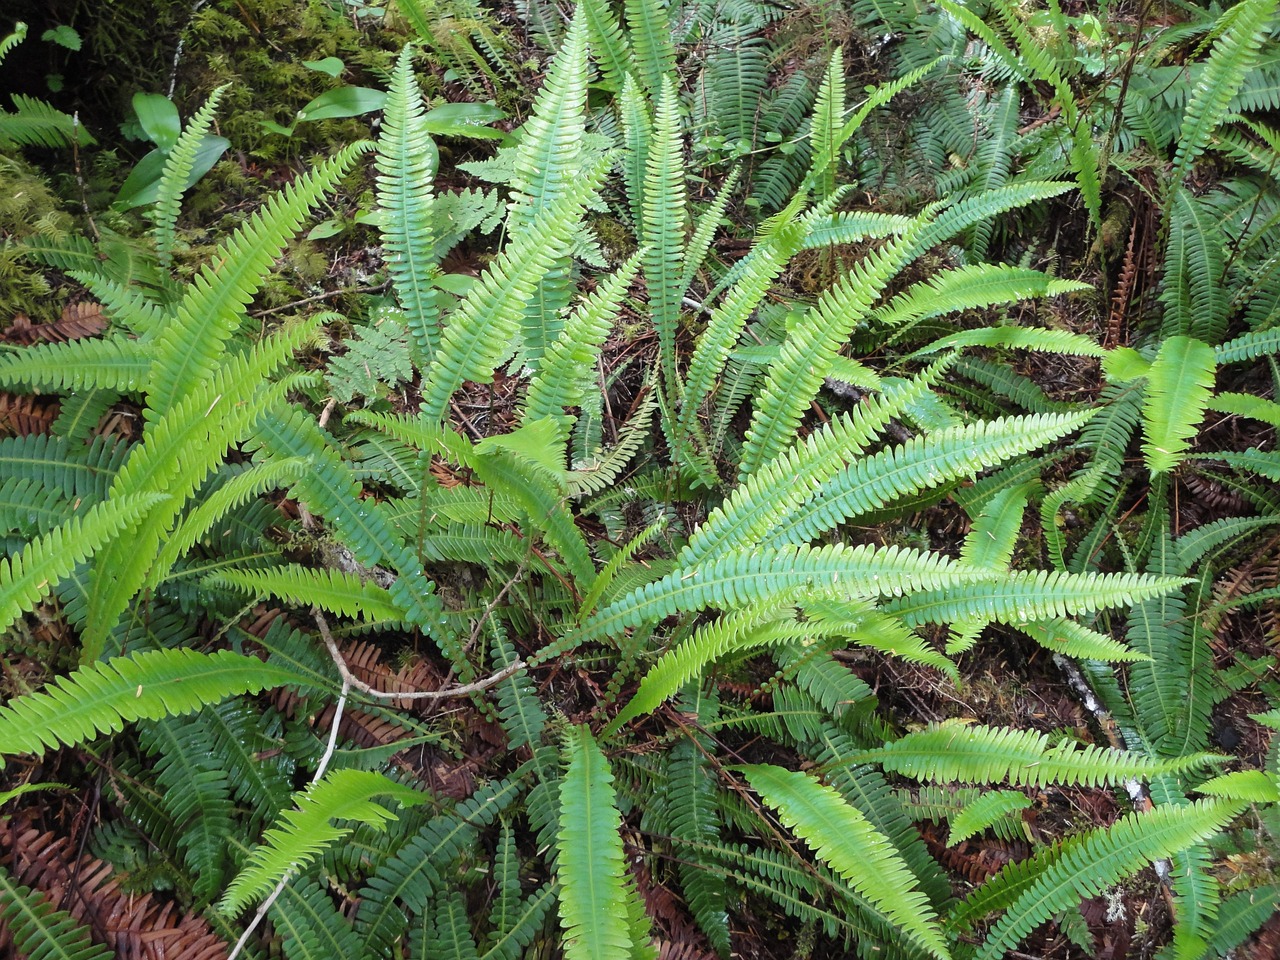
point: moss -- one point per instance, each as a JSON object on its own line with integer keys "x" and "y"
{"x": 28, "y": 207}
{"x": 258, "y": 46}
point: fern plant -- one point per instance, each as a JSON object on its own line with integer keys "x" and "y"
{"x": 729, "y": 578}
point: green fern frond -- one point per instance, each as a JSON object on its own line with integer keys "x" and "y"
{"x": 828, "y": 114}
{"x": 755, "y": 508}
{"x": 1074, "y": 640}
{"x": 237, "y": 491}
{"x": 304, "y": 831}
{"x": 981, "y": 813}
{"x": 962, "y": 214}
{"x": 119, "y": 365}
{"x": 332, "y": 491}
{"x": 10, "y": 41}
{"x": 1248, "y": 346}
{"x": 408, "y": 880}
{"x": 695, "y": 253}
{"x": 590, "y": 863}
{"x": 41, "y": 932}
{"x": 653, "y": 54}
{"x": 1028, "y": 596}
{"x": 342, "y": 593}
{"x": 548, "y": 157}
{"x": 526, "y": 925}
{"x": 1196, "y": 300}
{"x": 611, "y": 47}
{"x": 540, "y": 493}
{"x": 695, "y": 822}
{"x": 768, "y": 574}
{"x": 1246, "y": 405}
{"x": 406, "y": 161}
{"x": 30, "y": 574}
{"x": 481, "y": 328}
{"x": 749, "y": 629}
{"x": 177, "y": 453}
{"x": 637, "y": 135}
{"x": 196, "y": 794}
{"x": 191, "y": 346}
{"x": 1179, "y": 385}
{"x": 1023, "y": 338}
{"x": 664, "y": 228}
{"x": 981, "y": 285}
{"x": 177, "y": 171}
{"x": 1103, "y": 857}
{"x": 36, "y": 123}
{"x": 601, "y": 471}
{"x": 841, "y": 836}
{"x": 519, "y": 710}
{"x": 102, "y": 697}
{"x": 1233, "y": 55}
{"x": 962, "y": 753}
{"x": 84, "y": 472}
{"x": 312, "y": 927}
{"x": 757, "y": 273}
{"x": 570, "y": 362}
{"x": 806, "y": 355}
{"x": 869, "y": 483}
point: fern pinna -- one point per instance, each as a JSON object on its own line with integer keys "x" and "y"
{"x": 642, "y": 628}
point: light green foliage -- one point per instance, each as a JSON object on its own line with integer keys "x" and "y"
{"x": 837, "y": 301}
{"x": 593, "y": 897}
{"x": 304, "y": 831}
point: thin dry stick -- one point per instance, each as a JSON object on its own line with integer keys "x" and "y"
{"x": 284, "y": 881}
{"x": 349, "y": 678}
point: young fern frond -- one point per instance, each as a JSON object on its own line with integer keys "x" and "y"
{"x": 102, "y": 697}
{"x": 406, "y": 161}
{"x": 193, "y": 342}
{"x": 961, "y": 753}
{"x": 1179, "y": 385}
{"x": 842, "y": 836}
{"x": 303, "y": 832}
{"x": 342, "y": 593}
{"x": 590, "y": 865}
{"x": 177, "y": 171}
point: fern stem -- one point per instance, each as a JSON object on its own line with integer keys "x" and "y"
{"x": 350, "y": 679}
